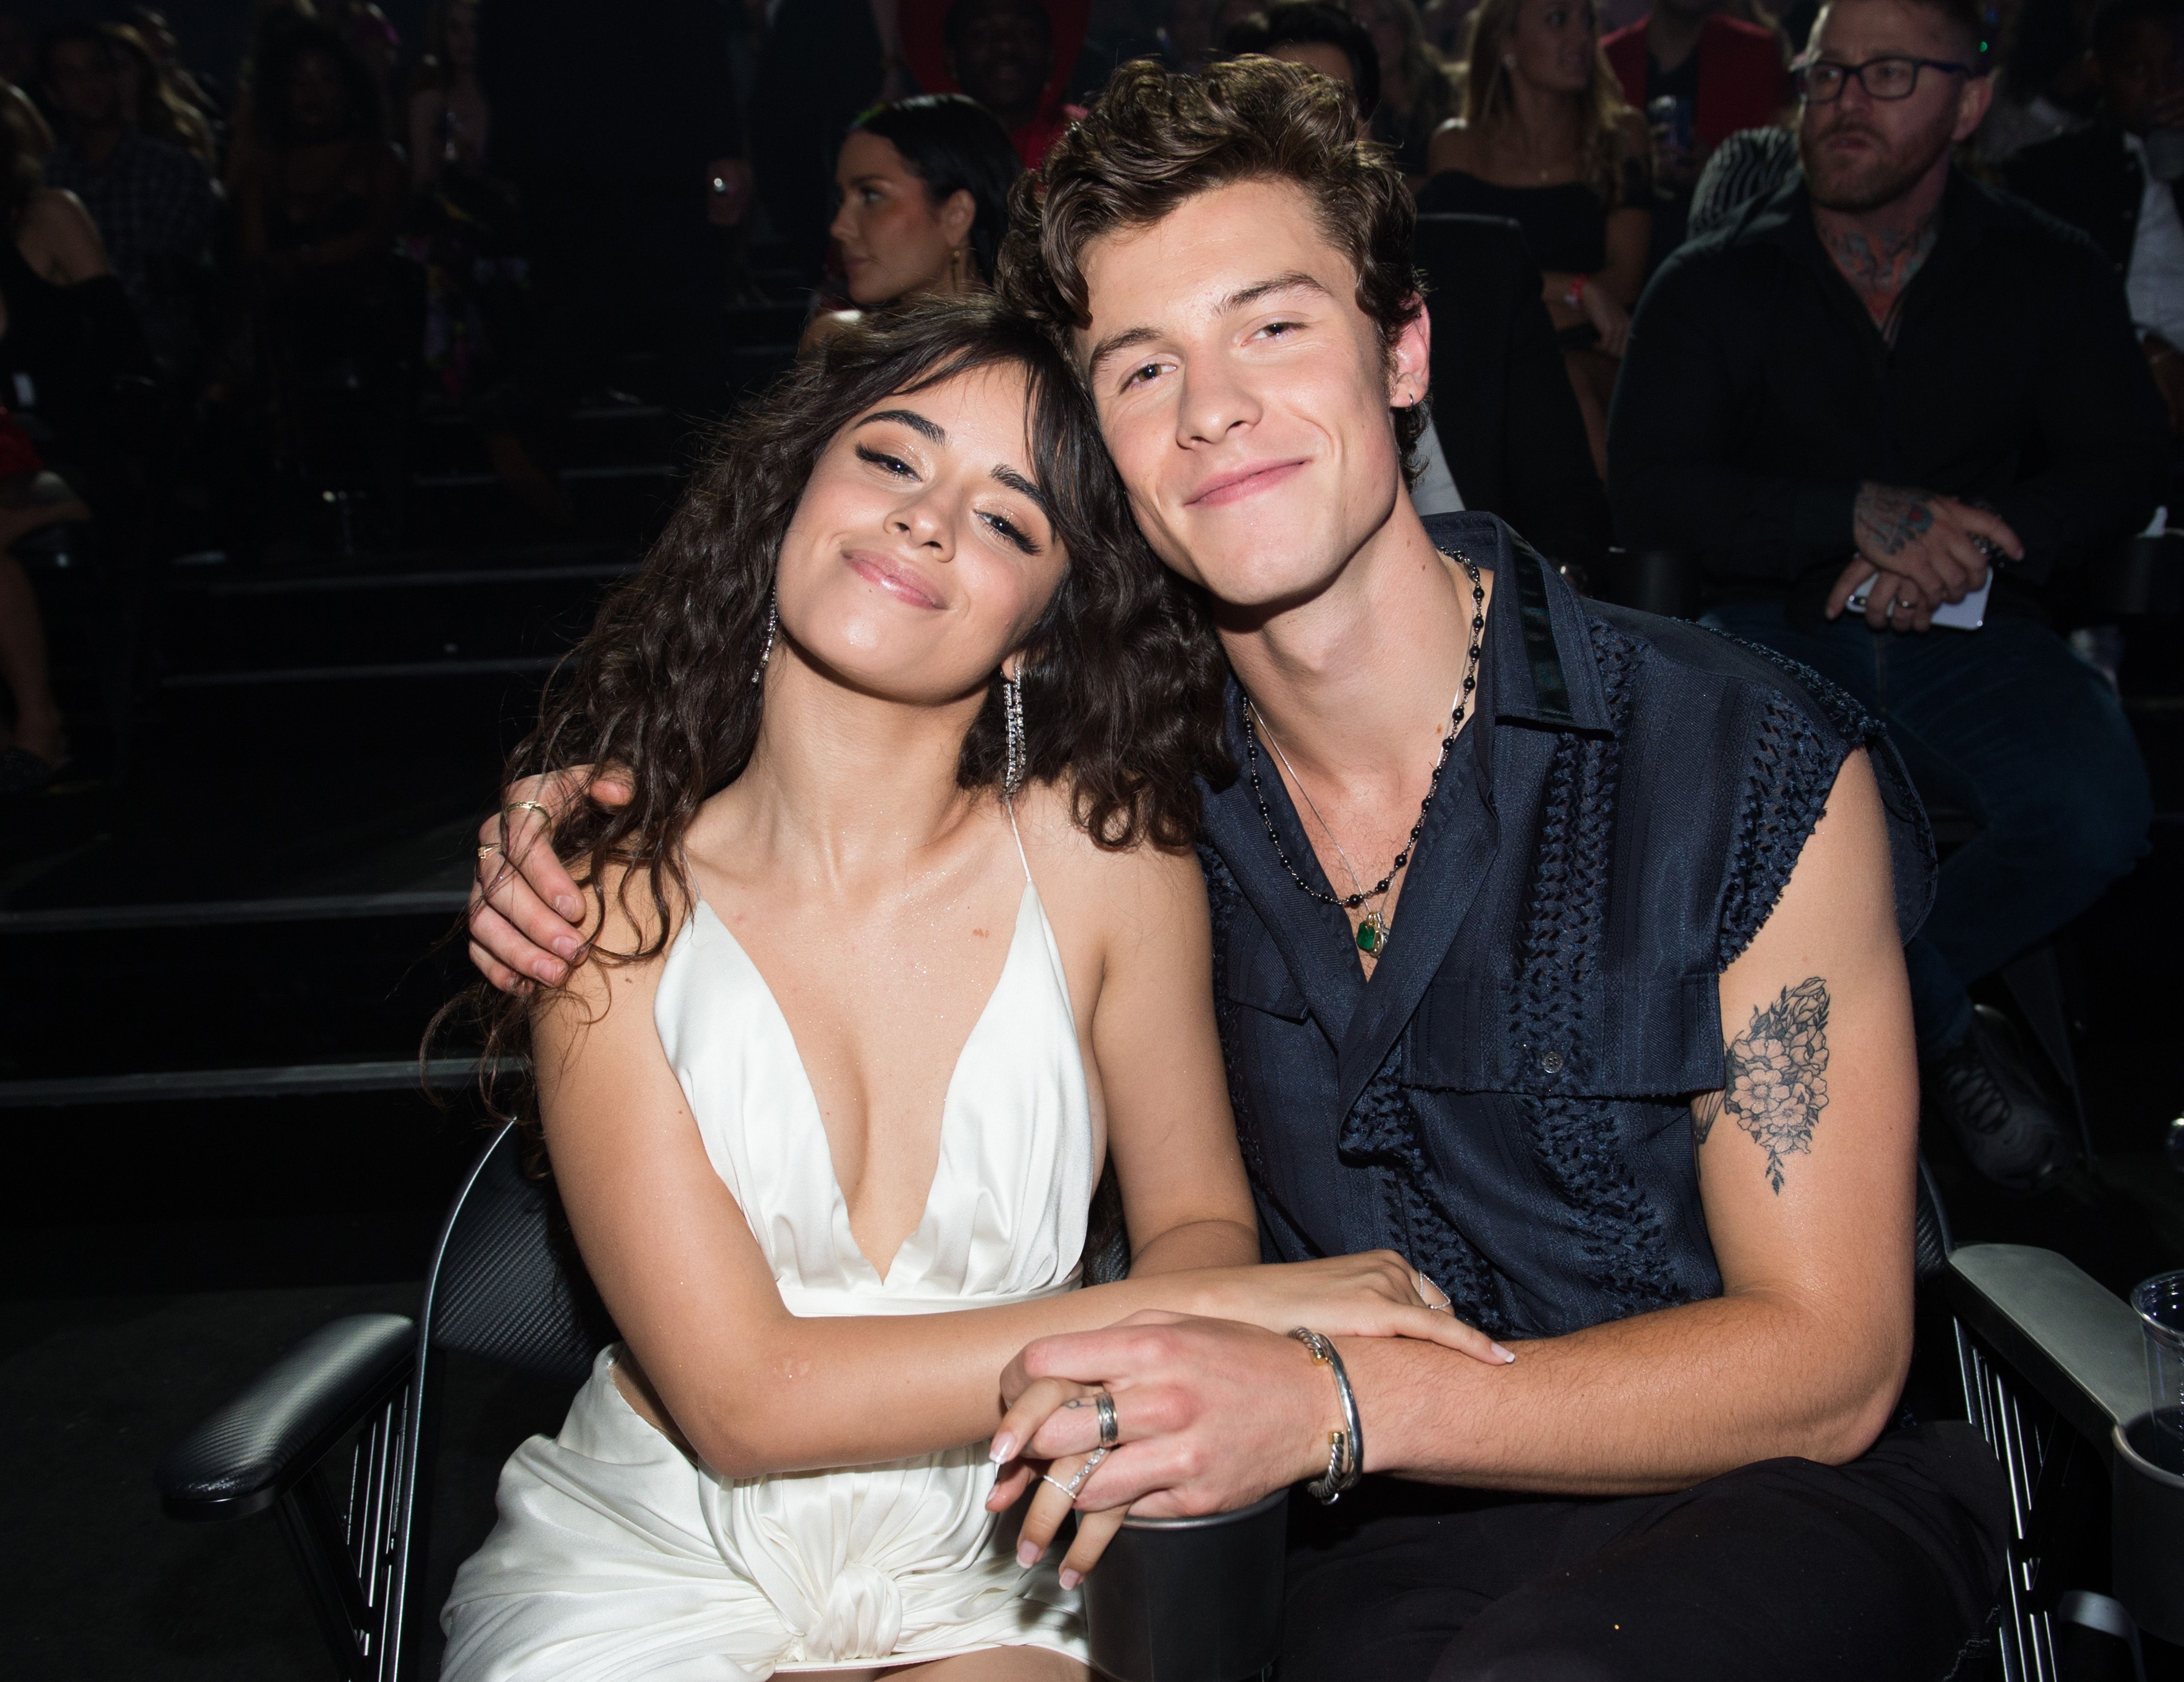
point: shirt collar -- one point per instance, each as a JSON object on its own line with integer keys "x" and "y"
{"x": 1543, "y": 671}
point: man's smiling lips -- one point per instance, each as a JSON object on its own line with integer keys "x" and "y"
{"x": 885, "y": 572}
{"x": 1240, "y": 482}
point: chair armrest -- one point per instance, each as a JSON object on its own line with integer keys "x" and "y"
{"x": 2073, "y": 1342}
{"x": 251, "y": 1450}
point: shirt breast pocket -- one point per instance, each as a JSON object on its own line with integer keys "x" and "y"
{"x": 1623, "y": 1034}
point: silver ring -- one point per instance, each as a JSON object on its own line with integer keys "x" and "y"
{"x": 1070, "y": 1489}
{"x": 1110, "y": 1432}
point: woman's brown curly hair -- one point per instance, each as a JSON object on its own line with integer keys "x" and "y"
{"x": 1155, "y": 137}
{"x": 1122, "y": 681}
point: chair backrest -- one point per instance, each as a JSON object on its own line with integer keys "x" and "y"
{"x": 507, "y": 1284}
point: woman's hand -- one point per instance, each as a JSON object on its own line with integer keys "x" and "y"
{"x": 1608, "y": 317}
{"x": 1053, "y": 1483}
{"x": 1375, "y": 1295}
{"x": 525, "y": 913}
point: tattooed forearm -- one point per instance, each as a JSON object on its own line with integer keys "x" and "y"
{"x": 1777, "y": 1074}
{"x": 1887, "y": 520}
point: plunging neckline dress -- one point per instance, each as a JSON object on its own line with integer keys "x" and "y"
{"x": 617, "y": 1555}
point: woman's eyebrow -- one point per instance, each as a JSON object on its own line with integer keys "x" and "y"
{"x": 910, "y": 418}
{"x": 1022, "y": 486}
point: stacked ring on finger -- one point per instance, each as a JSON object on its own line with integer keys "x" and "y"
{"x": 544, "y": 816}
{"x": 1091, "y": 1465}
{"x": 1109, "y": 1431}
{"x": 489, "y": 847}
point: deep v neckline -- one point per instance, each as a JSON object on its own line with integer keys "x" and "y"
{"x": 840, "y": 1209}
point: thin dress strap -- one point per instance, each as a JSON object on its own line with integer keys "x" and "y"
{"x": 1018, "y": 833}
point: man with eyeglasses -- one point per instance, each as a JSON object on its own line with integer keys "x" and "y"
{"x": 1874, "y": 393}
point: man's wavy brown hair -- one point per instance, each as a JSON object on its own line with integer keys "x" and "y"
{"x": 1122, "y": 680}
{"x": 1155, "y": 137}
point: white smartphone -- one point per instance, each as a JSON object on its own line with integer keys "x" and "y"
{"x": 1967, "y": 615}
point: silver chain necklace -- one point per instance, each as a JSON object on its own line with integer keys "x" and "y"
{"x": 1372, "y": 929}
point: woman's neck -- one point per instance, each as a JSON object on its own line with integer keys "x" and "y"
{"x": 843, "y": 786}
{"x": 1541, "y": 123}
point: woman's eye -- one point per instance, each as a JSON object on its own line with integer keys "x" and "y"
{"x": 1010, "y": 533}
{"x": 886, "y": 462}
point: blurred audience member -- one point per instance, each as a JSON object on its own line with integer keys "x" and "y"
{"x": 1699, "y": 74}
{"x": 1752, "y": 164}
{"x": 1321, "y": 35}
{"x": 1012, "y": 56}
{"x": 1893, "y": 378}
{"x": 1418, "y": 94}
{"x": 150, "y": 200}
{"x": 2118, "y": 177}
{"x": 318, "y": 205}
{"x": 620, "y": 130}
{"x": 1117, "y": 32}
{"x": 1546, "y": 139}
{"x": 167, "y": 55}
{"x": 155, "y": 109}
{"x": 18, "y": 49}
{"x": 820, "y": 62}
{"x": 36, "y": 747}
{"x": 464, "y": 232}
{"x": 924, "y": 186}
{"x": 2042, "y": 88}
{"x": 1504, "y": 416}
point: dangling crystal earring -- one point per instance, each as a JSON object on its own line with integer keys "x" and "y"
{"x": 773, "y": 625}
{"x": 1012, "y": 771}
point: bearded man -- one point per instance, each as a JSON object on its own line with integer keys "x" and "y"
{"x": 1886, "y": 381}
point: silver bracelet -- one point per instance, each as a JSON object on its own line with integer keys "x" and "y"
{"x": 1345, "y": 1448}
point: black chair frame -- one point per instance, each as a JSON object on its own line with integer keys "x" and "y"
{"x": 2049, "y": 1364}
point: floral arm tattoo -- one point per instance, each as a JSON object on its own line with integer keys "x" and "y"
{"x": 1776, "y": 1076}
{"x": 1889, "y": 519}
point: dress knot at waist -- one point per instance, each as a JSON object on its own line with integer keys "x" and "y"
{"x": 809, "y": 1302}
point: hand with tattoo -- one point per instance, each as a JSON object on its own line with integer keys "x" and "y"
{"x": 1776, "y": 1077}
{"x": 1921, "y": 549}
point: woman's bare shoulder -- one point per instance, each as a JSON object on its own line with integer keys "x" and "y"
{"x": 1456, "y": 145}
{"x": 629, "y": 927}
{"x": 1120, "y": 884}
{"x": 57, "y": 236}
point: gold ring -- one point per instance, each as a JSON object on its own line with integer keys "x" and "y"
{"x": 529, "y": 805}
{"x": 489, "y": 847}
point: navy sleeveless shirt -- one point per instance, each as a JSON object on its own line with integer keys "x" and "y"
{"x": 1506, "y": 1100}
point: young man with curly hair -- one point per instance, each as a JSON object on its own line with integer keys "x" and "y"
{"x": 1554, "y": 947}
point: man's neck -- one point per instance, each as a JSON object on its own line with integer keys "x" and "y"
{"x": 1878, "y": 250}
{"x": 98, "y": 141}
{"x": 1672, "y": 36}
{"x": 1352, "y": 682}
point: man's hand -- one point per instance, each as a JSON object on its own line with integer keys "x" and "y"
{"x": 727, "y": 191}
{"x": 1921, "y": 550}
{"x": 1210, "y": 1415}
{"x": 524, "y": 909}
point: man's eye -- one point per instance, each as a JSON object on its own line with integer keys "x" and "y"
{"x": 1145, "y": 371}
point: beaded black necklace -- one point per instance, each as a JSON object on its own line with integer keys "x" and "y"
{"x": 1373, "y": 931}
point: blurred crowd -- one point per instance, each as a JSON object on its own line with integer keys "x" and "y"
{"x": 1881, "y": 294}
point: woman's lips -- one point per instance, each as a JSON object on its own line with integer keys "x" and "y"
{"x": 1230, "y": 487}
{"x": 886, "y": 573}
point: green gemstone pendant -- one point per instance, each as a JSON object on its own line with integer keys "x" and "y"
{"x": 1371, "y": 937}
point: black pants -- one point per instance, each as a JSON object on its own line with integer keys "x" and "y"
{"x": 1782, "y": 1571}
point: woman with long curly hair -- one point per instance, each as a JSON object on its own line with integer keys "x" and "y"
{"x": 898, "y": 939}
{"x": 1546, "y": 139}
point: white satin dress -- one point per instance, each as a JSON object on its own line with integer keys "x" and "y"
{"x": 615, "y": 1556}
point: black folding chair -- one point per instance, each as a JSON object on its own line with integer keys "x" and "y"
{"x": 339, "y": 1437}
{"x": 502, "y": 1286}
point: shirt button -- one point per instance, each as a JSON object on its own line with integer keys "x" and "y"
{"x": 1551, "y": 1062}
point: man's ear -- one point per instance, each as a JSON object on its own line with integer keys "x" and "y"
{"x": 1410, "y": 360}
{"x": 1972, "y": 99}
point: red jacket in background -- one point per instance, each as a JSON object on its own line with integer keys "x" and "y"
{"x": 1742, "y": 83}
{"x": 927, "y": 54}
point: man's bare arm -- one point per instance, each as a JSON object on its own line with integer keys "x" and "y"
{"x": 1808, "y": 1194}
{"x": 1806, "y": 1173}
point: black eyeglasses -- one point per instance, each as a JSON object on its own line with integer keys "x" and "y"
{"x": 1821, "y": 81}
